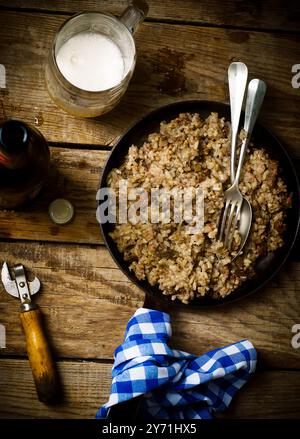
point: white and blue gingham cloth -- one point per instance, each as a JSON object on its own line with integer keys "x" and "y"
{"x": 175, "y": 384}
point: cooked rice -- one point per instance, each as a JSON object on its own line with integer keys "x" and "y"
{"x": 192, "y": 152}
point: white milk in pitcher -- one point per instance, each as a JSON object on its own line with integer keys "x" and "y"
{"x": 91, "y": 61}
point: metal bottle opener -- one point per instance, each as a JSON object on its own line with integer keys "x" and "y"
{"x": 39, "y": 354}
{"x": 20, "y": 287}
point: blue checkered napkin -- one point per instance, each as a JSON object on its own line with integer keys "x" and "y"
{"x": 175, "y": 384}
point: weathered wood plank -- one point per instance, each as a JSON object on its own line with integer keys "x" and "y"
{"x": 258, "y": 399}
{"x": 86, "y": 385}
{"x": 74, "y": 175}
{"x": 83, "y": 293}
{"x": 268, "y": 14}
{"x": 175, "y": 62}
{"x": 87, "y": 302}
{"x": 85, "y": 388}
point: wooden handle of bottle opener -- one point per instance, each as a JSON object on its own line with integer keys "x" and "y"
{"x": 39, "y": 355}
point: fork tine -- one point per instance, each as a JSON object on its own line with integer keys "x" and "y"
{"x": 229, "y": 223}
{"x": 224, "y": 216}
{"x": 233, "y": 227}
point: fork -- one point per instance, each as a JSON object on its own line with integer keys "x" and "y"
{"x": 237, "y": 81}
{"x": 233, "y": 197}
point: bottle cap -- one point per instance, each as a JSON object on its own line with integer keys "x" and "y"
{"x": 61, "y": 211}
{"x": 14, "y": 135}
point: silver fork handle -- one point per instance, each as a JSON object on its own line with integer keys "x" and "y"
{"x": 237, "y": 80}
{"x": 256, "y": 93}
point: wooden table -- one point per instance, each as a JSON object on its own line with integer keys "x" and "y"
{"x": 184, "y": 49}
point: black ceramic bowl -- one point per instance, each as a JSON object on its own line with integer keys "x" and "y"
{"x": 267, "y": 266}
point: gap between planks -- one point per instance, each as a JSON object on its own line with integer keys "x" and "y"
{"x": 75, "y": 175}
{"x": 191, "y": 12}
{"x": 163, "y": 21}
{"x": 86, "y": 387}
{"x": 84, "y": 291}
{"x": 81, "y": 146}
{"x": 259, "y": 368}
{"x": 165, "y": 72}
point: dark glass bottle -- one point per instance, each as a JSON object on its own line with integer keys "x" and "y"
{"x": 24, "y": 163}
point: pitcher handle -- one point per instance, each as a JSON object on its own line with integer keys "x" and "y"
{"x": 134, "y": 15}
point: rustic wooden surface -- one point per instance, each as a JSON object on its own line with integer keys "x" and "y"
{"x": 164, "y": 73}
{"x": 74, "y": 175}
{"x": 267, "y": 14}
{"x": 83, "y": 291}
{"x": 86, "y": 384}
{"x": 82, "y": 286}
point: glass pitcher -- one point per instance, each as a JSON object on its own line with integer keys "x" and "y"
{"x": 83, "y": 103}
